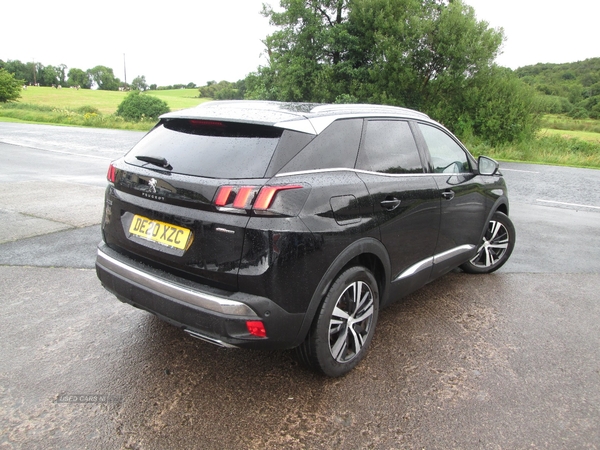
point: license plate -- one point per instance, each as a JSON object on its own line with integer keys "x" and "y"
{"x": 161, "y": 232}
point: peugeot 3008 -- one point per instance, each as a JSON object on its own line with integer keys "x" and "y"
{"x": 278, "y": 225}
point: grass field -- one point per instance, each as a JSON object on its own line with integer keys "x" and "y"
{"x": 583, "y": 135}
{"x": 104, "y": 101}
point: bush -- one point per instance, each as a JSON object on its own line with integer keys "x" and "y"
{"x": 10, "y": 88}
{"x": 579, "y": 113}
{"x": 87, "y": 109}
{"x": 137, "y": 106}
{"x": 497, "y": 107}
{"x": 553, "y": 104}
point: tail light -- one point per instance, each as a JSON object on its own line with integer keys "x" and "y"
{"x": 111, "y": 175}
{"x": 255, "y": 198}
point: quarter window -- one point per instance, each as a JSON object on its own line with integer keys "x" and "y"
{"x": 389, "y": 147}
{"x": 336, "y": 147}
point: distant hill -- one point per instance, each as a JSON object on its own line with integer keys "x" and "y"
{"x": 569, "y": 88}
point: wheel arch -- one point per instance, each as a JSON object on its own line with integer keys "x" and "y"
{"x": 500, "y": 205}
{"x": 368, "y": 252}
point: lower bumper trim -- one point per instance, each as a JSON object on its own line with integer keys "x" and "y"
{"x": 201, "y": 299}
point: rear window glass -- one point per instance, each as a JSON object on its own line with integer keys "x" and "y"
{"x": 209, "y": 148}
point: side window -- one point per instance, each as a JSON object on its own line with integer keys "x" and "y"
{"x": 389, "y": 147}
{"x": 335, "y": 147}
{"x": 446, "y": 155}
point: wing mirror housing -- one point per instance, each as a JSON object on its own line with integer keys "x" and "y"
{"x": 487, "y": 166}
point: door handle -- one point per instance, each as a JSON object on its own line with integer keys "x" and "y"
{"x": 390, "y": 203}
{"x": 448, "y": 194}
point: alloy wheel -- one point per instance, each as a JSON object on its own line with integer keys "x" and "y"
{"x": 494, "y": 246}
{"x": 351, "y": 321}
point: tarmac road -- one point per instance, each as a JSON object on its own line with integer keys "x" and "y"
{"x": 508, "y": 360}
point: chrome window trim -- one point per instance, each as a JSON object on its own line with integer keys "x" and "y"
{"x": 369, "y": 172}
{"x": 343, "y": 169}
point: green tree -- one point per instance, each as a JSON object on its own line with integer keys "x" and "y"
{"x": 21, "y": 71}
{"x": 48, "y": 76}
{"x": 10, "y": 87}
{"x": 137, "y": 106}
{"x": 424, "y": 54}
{"x": 61, "y": 70}
{"x": 139, "y": 83}
{"x": 497, "y": 107}
{"x": 78, "y": 77}
{"x": 223, "y": 90}
{"x": 104, "y": 78}
{"x": 303, "y": 52}
{"x": 575, "y": 82}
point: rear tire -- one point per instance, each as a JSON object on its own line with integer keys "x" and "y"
{"x": 495, "y": 249}
{"x": 342, "y": 331}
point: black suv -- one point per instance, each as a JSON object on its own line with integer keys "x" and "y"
{"x": 280, "y": 225}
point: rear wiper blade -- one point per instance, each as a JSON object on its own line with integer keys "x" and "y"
{"x": 156, "y": 160}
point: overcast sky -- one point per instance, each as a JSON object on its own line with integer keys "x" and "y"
{"x": 182, "y": 41}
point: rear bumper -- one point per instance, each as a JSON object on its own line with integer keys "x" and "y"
{"x": 210, "y": 314}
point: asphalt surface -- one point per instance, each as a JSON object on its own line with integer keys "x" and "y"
{"x": 508, "y": 360}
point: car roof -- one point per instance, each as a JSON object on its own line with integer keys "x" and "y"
{"x": 309, "y": 118}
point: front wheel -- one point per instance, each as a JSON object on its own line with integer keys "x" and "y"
{"x": 496, "y": 247}
{"x": 343, "y": 329}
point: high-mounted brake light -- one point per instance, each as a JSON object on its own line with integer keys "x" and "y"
{"x": 206, "y": 123}
{"x": 112, "y": 172}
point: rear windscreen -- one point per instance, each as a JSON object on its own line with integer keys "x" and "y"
{"x": 209, "y": 148}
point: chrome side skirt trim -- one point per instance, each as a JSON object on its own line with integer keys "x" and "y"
{"x": 427, "y": 263}
{"x": 415, "y": 268}
{"x": 456, "y": 251}
{"x": 196, "y": 298}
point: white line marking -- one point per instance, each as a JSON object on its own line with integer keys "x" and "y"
{"x": 568, "y": 204}
{"x": 62, "y": 152}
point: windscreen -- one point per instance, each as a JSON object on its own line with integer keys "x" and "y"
{"x": 210, "y": 149}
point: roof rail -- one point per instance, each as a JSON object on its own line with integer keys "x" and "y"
{"x": 364, "y": 107}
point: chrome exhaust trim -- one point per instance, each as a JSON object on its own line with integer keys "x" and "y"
{"x": 208, "y": 339}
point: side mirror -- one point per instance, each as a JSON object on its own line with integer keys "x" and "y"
{"x": 487, "y": 166}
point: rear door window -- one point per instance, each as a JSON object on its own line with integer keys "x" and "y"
{"x": 389, "y": 147}
{"x": 209, "y": 148}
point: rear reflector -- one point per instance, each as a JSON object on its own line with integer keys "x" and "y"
{"x": 111, "y": 175}
{"x": 256, "y": 328}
